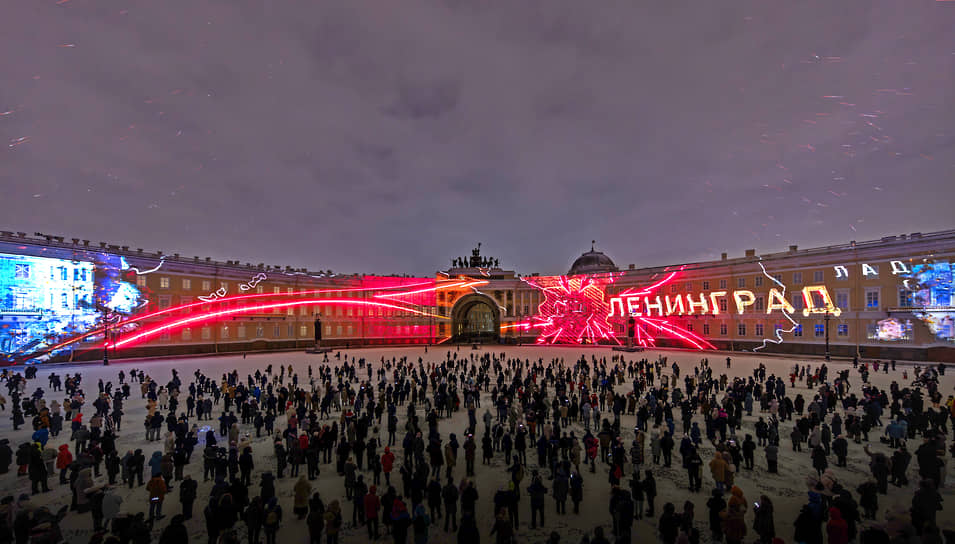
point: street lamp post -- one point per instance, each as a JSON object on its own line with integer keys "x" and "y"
{"x": 827, "y": 334}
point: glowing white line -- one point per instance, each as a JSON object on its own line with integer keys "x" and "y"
{"x": 777, "y": 332}
{"x": 151, "y": 270}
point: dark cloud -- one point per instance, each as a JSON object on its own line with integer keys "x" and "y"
{"x": 371, "y": 137}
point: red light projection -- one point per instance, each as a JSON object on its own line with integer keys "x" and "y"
{"x": 174, "y": 324}
{"x": 574, "y": 309}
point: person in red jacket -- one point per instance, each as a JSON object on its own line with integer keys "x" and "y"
{"x": 387, "y": 463}
{"x": 63, "y": 460}
{"x": 837, "y": 528}
{"x": 372, "y": 505}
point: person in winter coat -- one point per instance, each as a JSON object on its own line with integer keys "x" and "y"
{"x": 537, "y": 492}
{"x": 302, "y": 490}
{"x": 372, "y": 504}
{"x": 272, "y": 520}
{"x": 808, "y": 527}
{"x": 763, "y": 523}
{"x": 837, "y": 529}
{"x": 83, "y": 482}
{"x": 37, "y": 471}
{"x": 175, "y": 532}
{"x": 253, "y": 516}
{"x": 925, "y": 505}
{"x": 819, "y": 461}
{"x": 420, "y": 525}
{"x": 715, "y": 504}
{"x": 387, "y": 464}
{"x": 188, "y": 489}
{"x": 6, "y": 455}
{"x": 333, "y": 522}
{"x": 669, "y": 524}
{"x": 157, "y": 494}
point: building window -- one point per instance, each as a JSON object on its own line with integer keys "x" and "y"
{"x": 872, "y": 298}
{"x": 165, "y": 337}
{"x": 689, "y": 327}
{"x": 140, "y": 281}
{"x": 741, "y": 329}
{"x": 164, "y": 282}
{"x": 259, "y": 289}
{"x": 290, "y": 310}
{"x": 758, "y": 281}
{"x": 289, "y": 290}
{"x": 906, "y": 298}
{"x": 338, "y": 330}
{"x": 349, "y": 331}
{"x": 206, "y": 333}
{"x": 259, "y": 331}
{"x": 740, "y": 282}
{"x": 706, "y": 286}
{"x": 276, "y": 331}
{"x": 290, "y": 331}
{"x": 819, "y": 330}
{"x": 722, "y": 284}
{"x": 21, "y": 271}
{"x": 303, "y": 331}
{"x": 276, "y": 290}
{"x": 225, "y": 332}
{"x": 526, "y": 310}
{"x": 64, "y": 300}
{"x": 797, "y": 277}
{"x": 842, "y": 329}
{"x": 723, "y": 304}
{"x": 63, "y": 273}
{"x": 778, "y": 278}
{"x": 797, "y": 330}
{"x": 798, "y": 300}
{"x": 224, "y": 285}
{"x": 206, "y": 285}
{"x": 817, "y": 276}
{"x": 723, "y": 329}
{"x": 165, "y": 301}
{"x": 842, "y": 299}
{"x": 187, "y": 334}
{"x": 240, "y": 331}
{"x": 706, "y": 328}
{"x": 328, "y": 330}
{"x": 759, "y": 303}
{"x": 673, "y": 288}
{"x": 759, "y": 329}
{"x": 688, "y": 286}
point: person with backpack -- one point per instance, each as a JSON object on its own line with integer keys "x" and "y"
{"x": 272, "y": 520}
{"x": 333, "y": 522}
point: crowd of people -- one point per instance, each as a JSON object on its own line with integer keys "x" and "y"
{"x": 389, "y": 449}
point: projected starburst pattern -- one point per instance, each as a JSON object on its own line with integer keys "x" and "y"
{"x": 574, "y": 310}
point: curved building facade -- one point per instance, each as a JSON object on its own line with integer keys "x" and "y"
{"x": 71, "y": 300}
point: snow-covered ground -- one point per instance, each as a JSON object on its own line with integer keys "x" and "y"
{"x": 787, "y": 488}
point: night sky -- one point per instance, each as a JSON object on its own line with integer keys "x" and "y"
{"x": 387, "y": 137}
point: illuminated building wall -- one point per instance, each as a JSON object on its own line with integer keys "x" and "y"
{"x": 890, "y": 298}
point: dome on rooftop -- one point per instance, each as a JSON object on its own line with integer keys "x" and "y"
{"x": 592, "y": 262}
